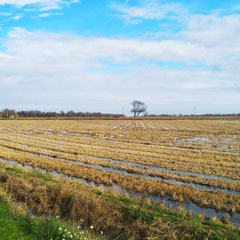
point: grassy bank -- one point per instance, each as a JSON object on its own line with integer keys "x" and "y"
{"x": 19, "y": 226}
{"x": 116, "y": 216}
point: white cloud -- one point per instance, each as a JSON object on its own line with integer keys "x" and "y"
{"x": 17, "y": 17}
{"x": 44, "y": 15}
{"x": 5, "y": 14}
{"x": 236, "y": 8}
{"x": 70, "y": 70}
{"x": 43, "y": 5}
{"x": 117, "y": 50}
{"x": 148, "y": 10}
{"x": 219, "y": 36}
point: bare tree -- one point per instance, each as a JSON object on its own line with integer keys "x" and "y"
{"x": 138, "y": 107}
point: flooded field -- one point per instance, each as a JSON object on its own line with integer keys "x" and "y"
{"x": 194, "y": 164}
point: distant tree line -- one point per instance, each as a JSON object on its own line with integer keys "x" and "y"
{"x": 197, "y": 115}
{"x": 11, "y": 113}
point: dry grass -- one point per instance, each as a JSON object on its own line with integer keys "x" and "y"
{"x": 83, "y": 207}
{"x": 217, "y": 200}
{"x": 120, "y": 166}
{"x": 167, "y": 231}
{"x": 167, "y": 145}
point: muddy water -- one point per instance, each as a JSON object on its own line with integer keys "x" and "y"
{"x": 208, "y": 212}
{"x": 151, "y": 126}
{"x": 198, "y": 186}
{"x": 65, "y": 143}
{"x": 126, "y": 126}
{"x": 116, "y": 126}
{"x": 197, "y": 139}
{"x": 143, "y": 125}
{"x": 162, "y": 125}
{"x": 157, "y": 168}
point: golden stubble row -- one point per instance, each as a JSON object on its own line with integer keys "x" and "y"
{"x": 208, "y": 199}
{"x": 214, "y": 169}
{"x": 92, "y": 129}
{"x": 169, "y": 155}
{"x": 233, "y": 185}
{"x": 132, "y": 137}
{"x": 139, "y": 151}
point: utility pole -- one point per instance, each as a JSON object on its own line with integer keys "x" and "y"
{"x": 195, "y": 110}
{"x": 122, "y": 110}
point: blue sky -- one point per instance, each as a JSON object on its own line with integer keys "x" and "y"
{"x": 101, "y": 55}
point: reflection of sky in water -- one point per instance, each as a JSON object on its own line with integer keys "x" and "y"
{"x": 208, "y": 212}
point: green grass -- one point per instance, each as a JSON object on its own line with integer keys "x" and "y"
{"x": 22, "y": 227}
{"x": 16, "y": 226}
{"x": 132, "y": 209}
{"x": 202, "y": 229}
{"x": 13, "y": 225}
{"x": 15, "y": 170}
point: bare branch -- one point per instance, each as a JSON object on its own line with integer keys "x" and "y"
{"x": 138, "y": 107}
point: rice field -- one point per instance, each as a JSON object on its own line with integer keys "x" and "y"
{"x": 189, "y": 164}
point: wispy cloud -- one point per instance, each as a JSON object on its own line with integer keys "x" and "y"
{"x": 55, "y": 67}
{"x": 44, "y": 15}
{"x": 5, "y": 14}
{"x": 149, "y": 10}
{"x": 236, "y": 8}
{"x": 110, "y": 19}
{"x": 42, "y": 5}
{"x": 17, "y": 17}
{"x": 197, "y": 63}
